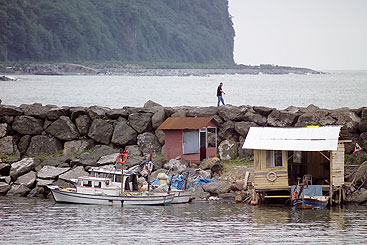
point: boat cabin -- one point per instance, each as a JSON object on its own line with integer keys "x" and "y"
{"x": 192, "y": 138}
{"x": 284, "y": 157}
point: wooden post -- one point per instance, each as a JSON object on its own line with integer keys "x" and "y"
{"x": 122, "y": 179}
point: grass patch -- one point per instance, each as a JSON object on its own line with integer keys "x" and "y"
{"x": 77, "y": 155}
{"x": 229, "y": 165}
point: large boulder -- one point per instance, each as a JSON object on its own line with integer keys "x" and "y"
{"x": 160, "y": 135}
{"x": 77, "y": 146}
{"x": 232, "y": 113}
{"x": 262, "y": 110}
{"x": 73, "y": 174}
{"x": 242, "y": 128}
{"x": 252, "y": 116}
{"x": 315, "y": 117}
{"x": 24, "y": 143}
{"x": 146, "y": 140}
{"x": 75, "y": 112}
{"x": 27, "y": 125}
{"x": 96, "y": 112}
{"x": 9, "y": 110}
{"x": 281, "y": 119}
{"x": 101, "y": 131}
{"x": 123, "y": 134}
{"x": 176, "y": 166}
{"x": 35, "y": 110}
{"x": 4, "y": 129}
{"x": 51, "y": 172}
{"x": 63, "y": 129}
{"x": 42, "y": 144}
{"x": 22, "y": 167}
{"x": 4, "y": 168}
{"x": 108, "y": 159}
{"x": 7, "y": 145}
{"x": 4, "y": 188}
{"x": 227, "y": 131}
{"x": 83, "y": 123}
{"x": 349, "y": 119}
{"x": 141, "y": 122}
{"x": 202, "y": 111}
{"x": 228, "y": 150}
{"x": 114, "y": 114}
{"x": 363, "y": 123}
{"x": 216, "y": 188}
{"x": 158, "y": 118}
{"x": 19, "y": 190}
{"x": 55, "y": 112}
{"x": 91, "y": 158}
{"x": 28, "y": 179}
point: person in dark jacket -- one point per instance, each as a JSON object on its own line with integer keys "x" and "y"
{"x": 219, "y": 94}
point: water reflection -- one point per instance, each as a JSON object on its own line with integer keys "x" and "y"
{"x": 29, "y": 221}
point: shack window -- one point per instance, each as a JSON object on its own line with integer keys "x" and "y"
{"x": 274, "y": 159}
{"x": 191, "y": 141}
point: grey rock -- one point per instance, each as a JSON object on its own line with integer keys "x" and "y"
{"x": 97, "y": 112}
{"x": 7, "y": 145}
{"x": 101, "y": 131}
{"x": 4, "y": 188}
{"x": 27, "y": 125}
{"x": 39, "y": 192}
{"x": 24, "y": 143}
{"x": 231, "y": 113}
{"x": 51, "y": 172}
{"x": 8, "y": 110}
{"x": 179, "y": 113}
{"x": 42, "y": 144}
{"x": 44, "y": 182}
{"x": 114, "y": 114}
{"x": 63, "y": 129}
{"x": 90, "y": 159}
{"x": 59, "y": 161}
{"x": 209, "y": 163}
{"x": 73, "y": 174}
{"x": 19, "y": 190}
{"x": 281, "y": 119}
{"x": 227, "y": 131}
{"x": 349, "y": 119}
{"x": 133, "y": 150}
{"x": 77, "y": 146}
{"x": 108, "y": 159}
{"x": 123, "y": 134}
{"x": 217, "y": 188}
{"x": 147, "y": 139}
{"x": 262, "y": 110}
{"x": 363, "y": 123}
{"x": 4, "y": 129}
{"x": 228, "y": 150}
{"x": 160, "y": 135}
{"x": 151, "y": 104}
{"x": 76, "y": 112}
{"x": 158, "y": 118}
{"x": 141, "y": 122}
{"x": 316, "y": 117}
{"x": 210, "y": 111}
{"x": 252, "y": 116}
{"x": 242, "y": 128}
{"x": 176, "y": 166}
{"x": 83, "y": 123}
{"x": 28, "y": 179}
{"x": 22, "y": 167}
{"x": 35, "y": 110}
{"x": 55, "y": 112}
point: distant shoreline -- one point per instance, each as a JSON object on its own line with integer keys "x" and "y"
{"x": 152, "y": 70}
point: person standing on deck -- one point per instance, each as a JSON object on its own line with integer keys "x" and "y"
{"x": 219, "y": 94}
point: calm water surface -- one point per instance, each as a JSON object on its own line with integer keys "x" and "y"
{"x": 333, "y": 90}
{"x": 35, "y": 221}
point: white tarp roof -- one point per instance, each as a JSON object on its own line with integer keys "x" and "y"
{"x": 293, "y": 139}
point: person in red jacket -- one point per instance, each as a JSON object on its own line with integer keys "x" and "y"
{"x": 219, "y": 94}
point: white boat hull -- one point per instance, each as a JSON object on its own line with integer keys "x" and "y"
{"x": 181, "y": 197}
{"x": 64, "y": 196}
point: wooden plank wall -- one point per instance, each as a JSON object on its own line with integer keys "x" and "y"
{"x": 260, "y": 180}
{"x": 337, "y": 166}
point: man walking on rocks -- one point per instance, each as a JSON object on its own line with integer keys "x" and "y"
{"x": 219, "y": 94}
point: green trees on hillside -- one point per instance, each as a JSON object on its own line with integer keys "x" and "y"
{"x": 184, "y": 31}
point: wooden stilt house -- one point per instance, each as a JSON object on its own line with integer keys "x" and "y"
{"x": 284, "y": 156}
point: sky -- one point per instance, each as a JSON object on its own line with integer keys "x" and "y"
{"x": 316, "y": 34}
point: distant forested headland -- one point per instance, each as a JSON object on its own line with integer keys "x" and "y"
{"x": 177, "y": 31}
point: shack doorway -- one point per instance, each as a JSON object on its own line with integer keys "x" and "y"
{"x": 203, "y": 145}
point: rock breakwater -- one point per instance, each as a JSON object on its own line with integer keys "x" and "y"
{"x": 46, "y": 144}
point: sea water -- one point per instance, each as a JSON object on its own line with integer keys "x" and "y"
{"x": 331, "y": 90}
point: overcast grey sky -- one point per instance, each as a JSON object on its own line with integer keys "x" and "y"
{"x": 317, "y": 34}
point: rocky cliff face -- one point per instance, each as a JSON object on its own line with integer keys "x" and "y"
{"x": 77, "y": 137}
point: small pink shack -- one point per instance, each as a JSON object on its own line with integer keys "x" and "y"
{"x": 192, "y": 138}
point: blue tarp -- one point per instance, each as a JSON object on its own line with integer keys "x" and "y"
{"x": 310, "y": 190}
{"x": 179, "y": 184}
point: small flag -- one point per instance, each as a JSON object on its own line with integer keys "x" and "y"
{"x": 357, "y": 148}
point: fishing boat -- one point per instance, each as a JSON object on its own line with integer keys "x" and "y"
{"x": 104, "y": 187}
{"x": 308, "y": 197}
